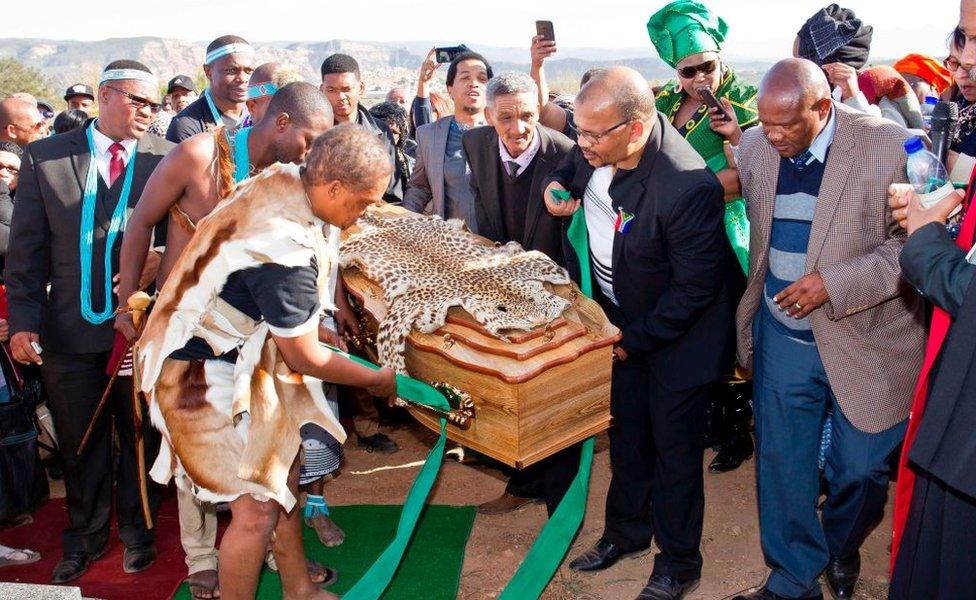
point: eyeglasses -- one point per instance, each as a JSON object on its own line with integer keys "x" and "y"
{"x": 594, "y": 138}
{"x": 138, "y": 101}
{"x": 39, "y": 126}
{"x": 706, "y": 67}
{"x": 952, "y": 64}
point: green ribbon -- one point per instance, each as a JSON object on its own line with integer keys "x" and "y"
{"x": 375, "y": 581}
{"x": 549, "y": 549}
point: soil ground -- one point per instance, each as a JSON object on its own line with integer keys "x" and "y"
{"x": 730, "y": 543}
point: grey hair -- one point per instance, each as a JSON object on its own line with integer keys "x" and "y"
{"x": 511, "y": 82}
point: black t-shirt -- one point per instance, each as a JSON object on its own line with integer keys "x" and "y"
{"x": 286, "y": 298}
{"x": 195, "y": 118}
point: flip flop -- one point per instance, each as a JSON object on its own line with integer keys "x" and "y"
{"x": 22, "y": 556}
{"x": 201, "y": 591}
{"x": 330, "y": 575}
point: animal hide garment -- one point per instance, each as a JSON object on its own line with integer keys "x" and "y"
{"x": 426, "y": 265}
{"x": 235, "y": 432}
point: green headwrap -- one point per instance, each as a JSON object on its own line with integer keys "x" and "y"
{"x": 685, "y": 27}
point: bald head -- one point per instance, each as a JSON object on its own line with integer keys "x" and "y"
{"x": 264, "y": 73}
{"x": 303, "y": 102}
{"x": 20, "y": 121}
{"x": 794, "y": 105}
{"x": 794, "y": 81}
{"x": 622, "y": 88}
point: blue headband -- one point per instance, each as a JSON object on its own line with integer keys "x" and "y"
{"x": 261, "y": 90}
{"x": 225, "y": 50}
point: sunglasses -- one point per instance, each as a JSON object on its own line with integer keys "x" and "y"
{"x": 138, "y": 101}
{"x": 705, "y": 68}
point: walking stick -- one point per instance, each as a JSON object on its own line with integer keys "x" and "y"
{"x": 140, "y": 299}
{"x": 138, "y": 303}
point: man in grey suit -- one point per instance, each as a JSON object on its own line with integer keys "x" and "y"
{"x": 74, "y": 193}
{"x": 439, "y": 183}
{"x": 827, "y": 324}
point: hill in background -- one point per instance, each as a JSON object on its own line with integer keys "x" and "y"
{"x": 384, "y": 65}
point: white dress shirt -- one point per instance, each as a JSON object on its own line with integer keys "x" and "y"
{"x": 524, "y": 159}
{"x": 103, "y": 156}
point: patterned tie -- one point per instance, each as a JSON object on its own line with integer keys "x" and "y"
{"x": 513, "y": 168}
{"x": 801, "y": 160}
{"x": 116, "y": 164}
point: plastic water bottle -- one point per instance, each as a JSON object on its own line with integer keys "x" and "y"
{"x": 926, "y": 174}
{"x": 927, "y": 107}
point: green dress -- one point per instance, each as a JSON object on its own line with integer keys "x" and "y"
{"x": 709, "y": 145}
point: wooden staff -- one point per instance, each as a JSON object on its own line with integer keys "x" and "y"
{"x": 138, "y": 303}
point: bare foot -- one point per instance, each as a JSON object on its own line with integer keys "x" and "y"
{"x": 330, "y": 534}
{"x": 204, "y": 585}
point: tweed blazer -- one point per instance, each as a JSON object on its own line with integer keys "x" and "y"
{"x": 870, "y": 333}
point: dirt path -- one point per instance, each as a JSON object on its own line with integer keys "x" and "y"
{"x": 730, "y": 544}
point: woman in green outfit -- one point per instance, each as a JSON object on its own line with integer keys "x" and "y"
{"x": 688, "y": 36}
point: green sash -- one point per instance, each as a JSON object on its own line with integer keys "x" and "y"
{"x": 710, "y": 146}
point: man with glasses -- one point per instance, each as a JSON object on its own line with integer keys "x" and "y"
{"x": 74, "y": 194}
{"x": 21, "y": 122}
{"x": 228, "y": 67}
{"x": 652, "y": 214}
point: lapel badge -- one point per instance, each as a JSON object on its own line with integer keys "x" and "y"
{"x": 624, "y": 219}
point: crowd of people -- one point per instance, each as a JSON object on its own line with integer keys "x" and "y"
{"x": 781, "y": 290}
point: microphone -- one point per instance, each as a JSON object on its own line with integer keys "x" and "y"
{"x": 945, "y": 116}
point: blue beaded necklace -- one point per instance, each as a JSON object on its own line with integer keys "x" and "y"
{"x": 242, "y": 161}
{"x": 87, "y": 232}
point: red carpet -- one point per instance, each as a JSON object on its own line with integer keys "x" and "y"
{"x": 105, "y": 579}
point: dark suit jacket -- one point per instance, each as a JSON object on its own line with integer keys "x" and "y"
{"x": 945, "y": 445}
{"x": 543, "y": 232}
{"x": 667, "y": 269}
{"x": 45, "y": 234}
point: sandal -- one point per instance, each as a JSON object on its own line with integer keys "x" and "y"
{"x": 204, "y": 588}
{"x": 321, "y": 575}
{"x": 22, "y": 556}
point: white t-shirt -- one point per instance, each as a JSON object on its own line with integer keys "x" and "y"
{"x": 600, "y": 227}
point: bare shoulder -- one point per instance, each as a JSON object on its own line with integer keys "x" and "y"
{"x": 198, "y": 149}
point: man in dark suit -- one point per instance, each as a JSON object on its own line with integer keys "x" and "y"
{"x": 67, "y": 329}
{"x": 652, "y": 215}
{"x": 510, "y": 162}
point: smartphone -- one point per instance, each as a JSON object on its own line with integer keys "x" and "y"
{"x": 544, "y": 29}
{"x": 448, "y": 53}
{"x": 712, "y": 102}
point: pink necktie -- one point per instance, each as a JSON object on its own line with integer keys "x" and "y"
{"x": 115, "y": 165}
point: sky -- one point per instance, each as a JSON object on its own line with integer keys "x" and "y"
{"x": 759, "y": 29}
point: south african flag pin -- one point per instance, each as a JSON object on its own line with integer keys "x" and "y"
{"x": 623, "y": 222}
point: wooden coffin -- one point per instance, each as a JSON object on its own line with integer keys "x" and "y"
{"x": 534, "y": 395}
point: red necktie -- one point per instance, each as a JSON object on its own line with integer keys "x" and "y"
{"x": 116, "y": 164}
